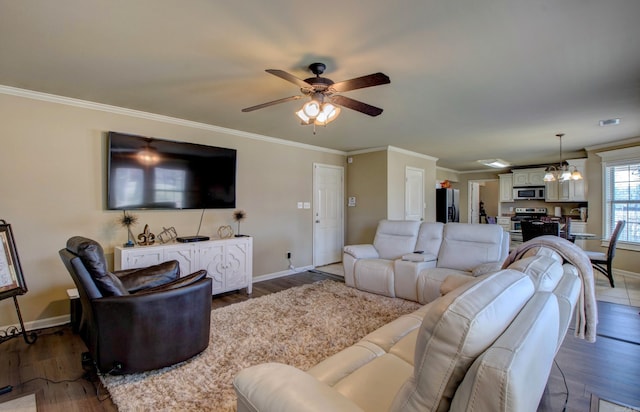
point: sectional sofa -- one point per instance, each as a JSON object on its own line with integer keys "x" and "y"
{"x": 411, "y": 259}
{"x": 487, "y": 345}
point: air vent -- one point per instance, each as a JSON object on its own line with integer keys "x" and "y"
{"x": 609, "y": 122}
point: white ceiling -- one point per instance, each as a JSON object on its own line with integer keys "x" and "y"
{"x": 469, "y": 79}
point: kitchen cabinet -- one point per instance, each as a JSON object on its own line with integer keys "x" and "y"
{"x": 504, "y": 222}
{"x": 570, "y": 190}
{"x": 506, "y": 187}
{"x": 228, "y": 262}
{"x": 528, "y": 177}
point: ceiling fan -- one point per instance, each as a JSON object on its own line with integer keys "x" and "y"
{"x": 324, "y": 104}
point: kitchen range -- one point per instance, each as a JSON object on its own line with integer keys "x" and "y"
{"x": 524, "y": 213}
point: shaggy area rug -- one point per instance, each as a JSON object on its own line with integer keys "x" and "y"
{"x": 299, "y": 326}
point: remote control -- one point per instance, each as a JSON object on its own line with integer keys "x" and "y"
{"x": 5, "y": 389}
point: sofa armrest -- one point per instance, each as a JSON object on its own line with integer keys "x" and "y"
{"x": 282, "y": 388}
{"x": 419, "y": 257}
{"x": 362, "y": 251}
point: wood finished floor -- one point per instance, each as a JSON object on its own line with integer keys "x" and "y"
{"x": 610, "y": 368}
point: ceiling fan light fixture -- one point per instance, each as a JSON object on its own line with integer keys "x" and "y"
{"x": 318, "y": 110}
{"x": 303, "y": 117}
{"x": 311, "y": 109}
{"x": 328, "y": 114}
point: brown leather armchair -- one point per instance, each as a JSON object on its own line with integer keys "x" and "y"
{"x": 139, "y": 319}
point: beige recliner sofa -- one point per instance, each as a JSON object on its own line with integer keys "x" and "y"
{"x": 486, "y": 346}
{"x": 391, "y": 267}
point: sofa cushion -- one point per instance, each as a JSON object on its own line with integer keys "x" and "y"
{"x": 430, "y": 237}
{"x": 545, "y": 271}
{"x": 465, "y": 246}
{"x": 136, "y": 280}
{"x": 456, "y": 329}
{"x": 374, "y": 386}
{"x": 395, "y": 238}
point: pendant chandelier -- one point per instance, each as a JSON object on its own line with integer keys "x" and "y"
{"x": 563, "y": 171}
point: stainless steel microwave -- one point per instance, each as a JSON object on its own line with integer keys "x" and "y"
{"x": 528, "y": 193}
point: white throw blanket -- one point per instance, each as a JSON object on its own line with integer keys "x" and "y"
{"x": 586, "y": 308}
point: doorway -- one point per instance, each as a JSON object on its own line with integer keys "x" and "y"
{"x": 486, "y": 191}
{"x": 328, "y": 214}
{"x": 414, "y": 194}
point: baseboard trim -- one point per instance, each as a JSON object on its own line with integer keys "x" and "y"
{"x": 41, "y": 323}
{"x": 281, "y": 274}
{"x": 620, "y": 272}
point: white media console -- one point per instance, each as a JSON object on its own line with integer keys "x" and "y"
{"x": 228, "y": 262}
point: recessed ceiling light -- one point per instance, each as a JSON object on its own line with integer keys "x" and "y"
{"x": 610, "y": 122}
{"x": 496, "y": 163}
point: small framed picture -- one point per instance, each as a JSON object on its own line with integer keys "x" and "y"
{"x": 11, "y": 279}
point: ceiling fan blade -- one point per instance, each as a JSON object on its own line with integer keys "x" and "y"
{"x": 288, "y": 77}
{"x": 356, "y": 105}
{"x": 375, "y": 79}
{"x": 260, "y": 106}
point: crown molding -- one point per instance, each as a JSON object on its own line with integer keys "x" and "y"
{"x": 633, "y": 140}
{"x": 392, "y": 149}
{"x": 84, "y": 104}
{"x": 410, "y": 153}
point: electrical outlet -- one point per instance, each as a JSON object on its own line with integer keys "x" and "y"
{"x": 288, "y": 255}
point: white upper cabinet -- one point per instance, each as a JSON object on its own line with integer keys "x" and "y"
{"x": 528, "y": 177}
{"x": 570, "y": 190}
{"x": 506, "y": 187}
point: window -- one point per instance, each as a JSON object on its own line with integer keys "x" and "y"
{"x": 621, "y": 190}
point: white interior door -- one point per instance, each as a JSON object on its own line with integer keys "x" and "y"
{"x": 328, "y": 214}
{"x": 414, "y": 194}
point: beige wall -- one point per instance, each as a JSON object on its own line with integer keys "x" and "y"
{"x": 377, "y": 180}
{"x": 446, "y": 174}
{"x": 53, "y": 164}
{"x": 367, "y": 182}
{"x": 398, "y": 161}
{"x": 490, "y": 195}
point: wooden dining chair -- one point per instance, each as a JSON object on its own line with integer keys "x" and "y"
{"x": 602, "y": 262}
{"x": 533, "y": 229}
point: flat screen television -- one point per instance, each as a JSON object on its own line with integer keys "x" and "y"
{"x": 150, "y": 173}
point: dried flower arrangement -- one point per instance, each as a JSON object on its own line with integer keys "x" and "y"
{"x": 238, "y": 216}
{"x": 127, "y": 220}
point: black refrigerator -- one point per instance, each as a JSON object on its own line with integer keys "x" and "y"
{"x": 447, "y": 205}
